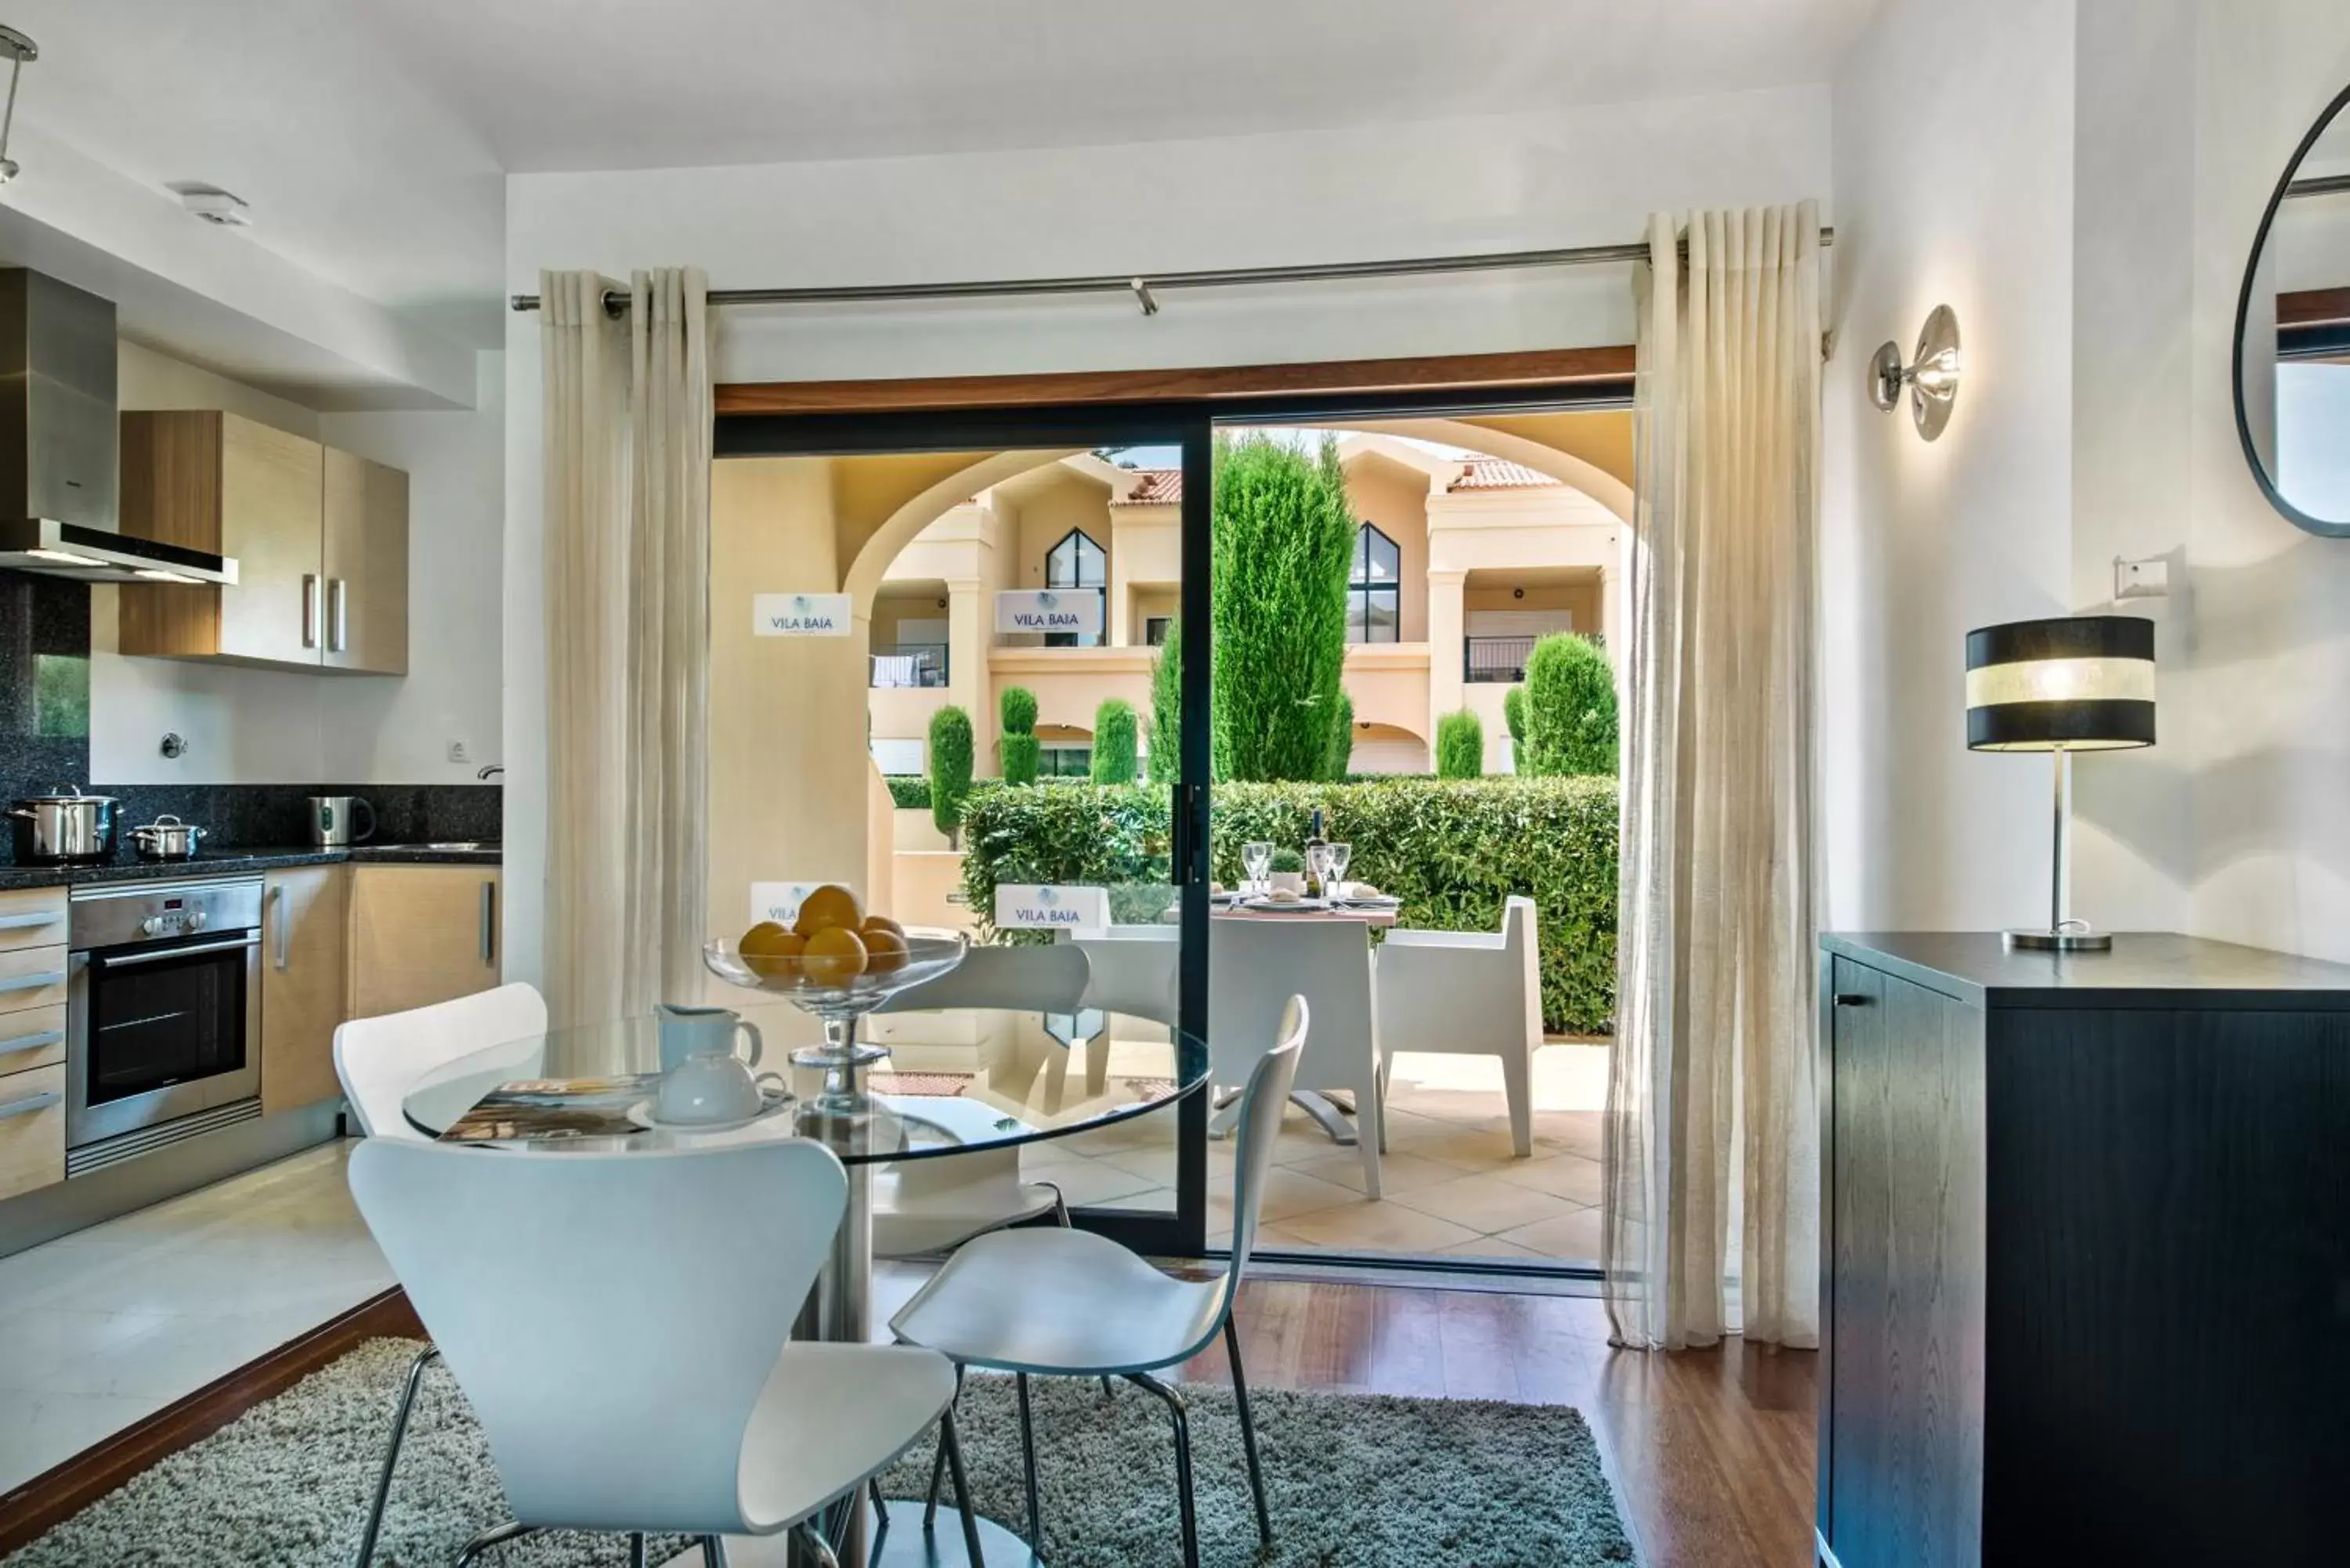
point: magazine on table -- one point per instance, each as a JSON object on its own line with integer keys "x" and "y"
{"x": 555, "y": 1109}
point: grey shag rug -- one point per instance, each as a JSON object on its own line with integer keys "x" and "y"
{"x": 1355, "y": 1481}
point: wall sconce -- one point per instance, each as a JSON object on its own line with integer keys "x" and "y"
{"x": 1932, "y": 378}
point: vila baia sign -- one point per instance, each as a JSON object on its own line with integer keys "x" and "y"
{"x": 1033, "y": 907}
{"x": 1073, "y": 610}
{"x": 799, "y": 614}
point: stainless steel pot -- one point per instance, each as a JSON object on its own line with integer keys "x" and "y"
{"x": 166, "y": 838}
{"x": 63, "y": 828}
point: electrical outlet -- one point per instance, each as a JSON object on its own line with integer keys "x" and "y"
{"x": 458, "y": 754}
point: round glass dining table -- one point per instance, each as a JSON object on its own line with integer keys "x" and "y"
{"x": 956, "y": 1081}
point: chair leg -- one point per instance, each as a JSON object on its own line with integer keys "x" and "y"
{"x": 636, "y": 1550}
{"x": 1248, "y": 1431}
{"x": 424, "y": 1358}
{"x": 817, "y": 1546}
{"x": 953, "y": 1443}
{"x": 496, "y": 1535}
{"x": 1028, "y": 1463}
{"x": 1517, "y": 1085}
{"x": 713, "y": 1553}
{"x": 939, "y": 1461}
{"x": 1174, "y": 1402}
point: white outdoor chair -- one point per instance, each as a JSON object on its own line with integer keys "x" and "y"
{"x": 1071, "y": 1303}
{"x": 930, "y": 1205}
{"x": 1473, "y": 993}
{"x": 378, "y": 1059}
{"x": 1133, "y": 969}
{"x": 1253, "y": 965}
{"x": 620, "y": 1321}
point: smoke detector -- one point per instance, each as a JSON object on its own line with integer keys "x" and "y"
{"x": 223, "y": 208}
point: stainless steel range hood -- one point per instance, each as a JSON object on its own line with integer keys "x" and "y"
{"x": 60, "y": 439}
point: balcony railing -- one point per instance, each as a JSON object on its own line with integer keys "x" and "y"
{"x": 1496, "y": 660}
{"x": 898, "y": 664}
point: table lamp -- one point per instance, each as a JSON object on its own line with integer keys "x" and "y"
{"x": 2079, "y": 683}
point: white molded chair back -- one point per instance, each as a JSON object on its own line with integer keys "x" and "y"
{"x": 1134, "y": 970}
{"x": 1260, "y": 1129}
{"x": 1254, "y": 966}
{"x": 611, "y": 1317}
{"x": 379, "y": 1058}
{"x": 1031, "y": 978}
{"x": 1470, "y": 994}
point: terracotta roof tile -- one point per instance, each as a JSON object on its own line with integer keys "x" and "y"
{"x": 1160, "y": 487}
{"x": 1500, "y": 473}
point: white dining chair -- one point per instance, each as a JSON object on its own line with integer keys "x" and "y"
{"x": 1071, "y": 1303}
{"x": 1470, "y": 994}
{"x": 619, "y": 1323}
{"x": 1133, "y": 969}
{"x": 377, "y": 1059}
{"x": 1252, "y": 965}
{"x": 934, "y": 1204}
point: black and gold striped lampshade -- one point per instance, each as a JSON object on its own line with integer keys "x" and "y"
{"x": 2082, "y": 683}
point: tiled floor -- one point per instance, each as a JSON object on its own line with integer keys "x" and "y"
{"x": 100, "y": 1328}
{"x": 1450, "y": 1184}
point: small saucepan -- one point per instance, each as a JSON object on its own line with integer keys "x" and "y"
{"x": 166, "y": 838}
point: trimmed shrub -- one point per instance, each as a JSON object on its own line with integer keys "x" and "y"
{"x": 1342, "y": 740}
{"x": 1284, "y": 541}
{"x": 1017, "y": 706}
{"x": 1022, "y": 755}
{"x": 1450, "y": 850}
{"x": 951, "y": 748}
{"x": 1570, "y": 709}
{"x": 910, "y": 792}
{"x": 1460, "y": 746}
{"x": 1117, "y": 742}
{"x": 1514, "y": 715}
{"x": 1167, "y": 708}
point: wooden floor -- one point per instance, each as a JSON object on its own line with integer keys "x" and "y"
{"x": 1710, "y": 1451}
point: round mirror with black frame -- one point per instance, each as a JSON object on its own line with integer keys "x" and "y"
{"x": 2293, "y": 334}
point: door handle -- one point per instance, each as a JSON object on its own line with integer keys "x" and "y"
{"x": 489, "y": 922}
{"x": 309, "y": 609}
{"x": 134, "y": 960}
{"x": 278, "y": 907}
{"x": 338, "y": 635}
{"x": 33, "y": 981}
{"x": 1851, "y": 999}
{"x": 29, "y": 1103}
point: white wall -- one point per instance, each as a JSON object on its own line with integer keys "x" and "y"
{"x": 1502, "y": 182}
{"x": 1952, "y": 186}
{"x": 258, "y": 726}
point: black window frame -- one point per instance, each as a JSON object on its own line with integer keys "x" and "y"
{"x": 1364, "y": 589}
{"x": 1083, "y": 541}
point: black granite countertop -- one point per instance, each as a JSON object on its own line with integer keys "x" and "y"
{"x": 234, "y": 861}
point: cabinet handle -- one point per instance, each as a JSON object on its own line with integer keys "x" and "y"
{"x": 33, "y": 981}
{"x": 1851, "y": 999}
{"x": 309, "y": 609}
{"x": 489, "y": 922}
{"x": 29, "y": 1103}
{"x": 277, "y": 904}
{"x": 33, "y": 1041}
{"x": 338, "y": 635}
{"x": 28, "y": 922}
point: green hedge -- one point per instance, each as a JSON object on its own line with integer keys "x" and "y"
{"x": 1451, "y": 849}
{"x": 911, "y": 792}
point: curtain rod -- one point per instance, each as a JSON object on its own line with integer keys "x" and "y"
{"x": 1144, "y": 287}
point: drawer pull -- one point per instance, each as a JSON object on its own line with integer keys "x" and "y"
{"x": 29, "y": 1103}
{"x": 1851, "y": 999}
{"x": 29, "y": 922}
{"x": 33, "y": 981}
{"x": 285, "y": 937}
{"x": 490, "y": 923}
{"x": 31, "y": 1042}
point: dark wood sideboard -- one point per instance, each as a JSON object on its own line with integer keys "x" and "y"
{"x": 2084, "y": 1254}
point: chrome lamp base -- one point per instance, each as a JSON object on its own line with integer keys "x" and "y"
{"x": 2078, "y": 937}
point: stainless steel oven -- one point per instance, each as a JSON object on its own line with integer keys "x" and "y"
{"x": 163, "y": 1015}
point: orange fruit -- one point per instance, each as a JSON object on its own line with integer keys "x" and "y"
{"x": 830, "y": 905}
{"x": 833, "y": 957}
{"x": 885, "y": 948}
{"x": 882, "y": 922}
{"x": 768, "y": 949}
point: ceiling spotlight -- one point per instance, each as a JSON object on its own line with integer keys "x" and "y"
{"x": 220, "y": 208}
{"x": 19, "y": 50}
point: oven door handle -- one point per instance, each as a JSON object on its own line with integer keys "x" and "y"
{"x": 132, "y": 960}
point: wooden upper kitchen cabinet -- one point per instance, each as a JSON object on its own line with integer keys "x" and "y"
{"x": 319, "y": 537}
{"x": 422, "y": 934}
{"x": 304, "y": 965}
{"x": 365, "y": 566}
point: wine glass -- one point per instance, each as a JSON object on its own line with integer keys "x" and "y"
{"x": 1336, "y": 856}
{"x": 1256, "y": 859}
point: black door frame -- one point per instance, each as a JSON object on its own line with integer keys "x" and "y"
{"x": 1189, "y": 425}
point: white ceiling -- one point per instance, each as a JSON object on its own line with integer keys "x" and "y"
{"x": 369, "y": 136}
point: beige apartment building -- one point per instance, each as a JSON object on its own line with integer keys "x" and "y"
{"x": 1460, "y": 563}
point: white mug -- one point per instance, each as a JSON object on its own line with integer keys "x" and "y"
{"x": 711, "y": 1088}
{"x": 687, "y": 1032}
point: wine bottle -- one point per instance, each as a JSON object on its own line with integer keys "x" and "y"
{"x": 1314, "y": 861}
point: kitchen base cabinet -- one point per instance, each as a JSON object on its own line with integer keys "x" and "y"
{"x": 32, "y": 1129}
{"x": 305, "y": 975}
{"x": 421, "y": 934}
{"x": 2084, "y": 1253}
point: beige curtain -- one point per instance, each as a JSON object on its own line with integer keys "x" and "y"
{"x": 628, "y": 445}
{"x": 1711, "y": 1119}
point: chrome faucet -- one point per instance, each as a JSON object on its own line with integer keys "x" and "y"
{"x": 492, "y": 768}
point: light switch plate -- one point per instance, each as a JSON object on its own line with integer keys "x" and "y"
{"x": 458, "y": 754}
{"x": 2146, "y": 579}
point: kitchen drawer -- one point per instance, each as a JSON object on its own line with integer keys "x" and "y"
{"x": 32, "y": 918}
{"x": 33, "y": 1038}
{"x": 32, "y": 977}
{"x": 32, "y": 1129}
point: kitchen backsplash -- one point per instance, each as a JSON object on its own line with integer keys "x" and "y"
{"x": 45, "y": 741}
